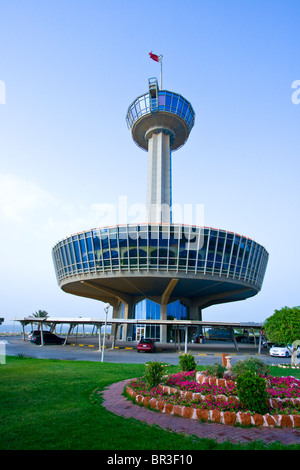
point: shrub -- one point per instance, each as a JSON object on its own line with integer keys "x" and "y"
{"x": 154, "y": 372}
{"x": 252, "y": 392}
{"x": 217, "y": 370}
{"x": 187, "y": 362}
{"x": 253, "y": 365}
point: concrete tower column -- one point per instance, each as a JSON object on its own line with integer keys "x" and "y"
{"x": 159, "y": 180}
{"x": 163, "y": 328}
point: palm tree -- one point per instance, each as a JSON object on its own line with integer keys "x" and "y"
{"x": 40, "y": 314}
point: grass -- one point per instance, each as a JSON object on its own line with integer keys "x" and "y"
{"x": 45, "y": 405}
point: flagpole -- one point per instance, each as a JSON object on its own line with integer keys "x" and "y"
{"x": 160, "y": 59}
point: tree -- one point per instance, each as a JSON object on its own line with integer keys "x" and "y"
{"x": 284, "y": 326}
{"x": 40, "y": 314}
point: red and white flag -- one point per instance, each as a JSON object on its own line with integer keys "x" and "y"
{"x": 154, "y": 57}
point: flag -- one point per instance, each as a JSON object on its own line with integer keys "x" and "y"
{"x": 154, "y": 57}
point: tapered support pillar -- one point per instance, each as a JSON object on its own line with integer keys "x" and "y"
{"x": 128, "y": 329}
{"x": 159, "y": 178}
{"x": 163, "y": 328}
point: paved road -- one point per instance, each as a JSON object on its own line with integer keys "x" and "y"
{"x": 87, "y": 349}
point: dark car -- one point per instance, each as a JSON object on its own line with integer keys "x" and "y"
{"x": 37, "y": 332}
{"x": 241, "y": 338}
{"x": 48, "y": 338}
{"x": 147, "y": 345}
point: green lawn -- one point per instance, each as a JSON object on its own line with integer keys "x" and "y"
{"x": 45, "y": 405}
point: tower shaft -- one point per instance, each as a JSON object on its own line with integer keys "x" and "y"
{"x": 159, "y": 178}
{"x": 160, "y": 122}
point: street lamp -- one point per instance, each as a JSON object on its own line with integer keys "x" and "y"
{"x": 106, "y": 309}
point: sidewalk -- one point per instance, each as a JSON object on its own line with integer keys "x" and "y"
{"x": 115, "y": 402}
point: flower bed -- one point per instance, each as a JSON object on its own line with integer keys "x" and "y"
{"x": 211, "y": 399}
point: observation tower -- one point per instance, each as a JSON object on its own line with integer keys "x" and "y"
{"x": 159, "y": 270}
{"x": 160, "y": 122}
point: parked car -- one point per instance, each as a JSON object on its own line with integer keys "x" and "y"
{"x": 281, "y": 350}
{"x": 241, "y": 338}
{"x": 35, "y": 332}
{"x": 147, "y": 345}
{"x": 219, "y": 334}
{"x": 267, "y": 344}
{"x": 48, "y": 338}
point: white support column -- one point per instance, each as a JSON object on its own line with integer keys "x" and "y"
{"x": 259, "y": 344}
{"x": 99, "y": 335}
{"x": 23, "y": 327}
{"x": 42, "y": 335}
{"x": 114, "y": 329}
{"x": 178, "y": 336}
{"x": 158, "y": 185}
{"x": 234, "y": 339}
{"x": 128, "y": 314}
{"x": 163, "y": 328}
{"x": 186, "y": 339}
{"x": 68, "y": 334}
{"x": 163, "y": 308}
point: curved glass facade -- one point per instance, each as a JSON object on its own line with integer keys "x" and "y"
{"x": 167, "y": 101}
{"x": 161, "y": 248}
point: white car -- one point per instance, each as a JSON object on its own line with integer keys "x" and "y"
{"x": 281, "y": 350}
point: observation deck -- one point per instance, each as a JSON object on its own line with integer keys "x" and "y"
{"x": 132, "y": 262}
{"x": 160, "y": 110}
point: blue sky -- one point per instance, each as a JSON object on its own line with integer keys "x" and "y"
{"x": 71, "y": 69}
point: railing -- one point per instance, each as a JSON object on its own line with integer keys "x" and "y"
{"x": 171, "y": 248}
{"x": 167, "y": 102}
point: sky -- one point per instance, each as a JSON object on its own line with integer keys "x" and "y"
{"x": 69, "y": 69}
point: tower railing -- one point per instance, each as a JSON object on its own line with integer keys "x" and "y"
{"x": 167, "y": 101}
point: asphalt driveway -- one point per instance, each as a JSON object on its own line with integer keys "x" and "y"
{"x": 87, "y": 349}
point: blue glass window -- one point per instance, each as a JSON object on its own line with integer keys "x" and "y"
{"x": 161, "y": 99}
{"x": 227, "y": 253}
{"x": 133, "y": 112}
{"x": 180, "y": 104}
{"x": 147, "y": 310}
{"x": 77, "y": 253}
{"x": 177, "y": 310}
{"x": 246, "y": 257}
{"x": 71, "y": 251}
{"x": 174, "y": 103}
{"x": 104, "y": 242}
{"x": 83, "y": 252}
{"x": 168, "y": 100}
{"x": 192, "y": 258}
{"x": 234, "y": 254}
{"x": 66, "y": 258}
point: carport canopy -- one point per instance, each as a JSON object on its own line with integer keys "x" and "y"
{"x": 72, "y": 322}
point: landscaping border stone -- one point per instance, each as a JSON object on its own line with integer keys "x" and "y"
{"x": 225, "y": 417}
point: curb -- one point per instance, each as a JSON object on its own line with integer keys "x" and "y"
{"x": 214, "y": 416}
{"x": 116, "y": 402}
